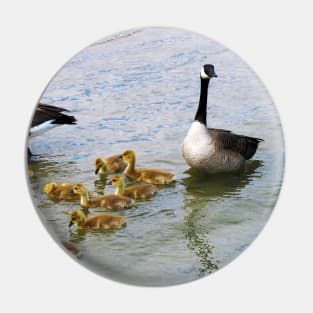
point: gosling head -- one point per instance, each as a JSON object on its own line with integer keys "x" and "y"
{"x": 207, "y": 71}
{"x": 99, "y": 165}
{"x": 76, "y": 217}
{"x": 117, "y": 180}
{"x": 79, "y": 189}
{"x": 49, "y": 187}
{"x": 128, "y": 155}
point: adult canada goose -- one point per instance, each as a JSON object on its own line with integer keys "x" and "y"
{"x": 110, "y": 202}
{"x": 47, "y": 117}
{"x": 147, "y": 175}
{"x": 139, "y": 191}
{"x": 215, "y": 150}
{"x": 112, "y": 164}
{"x": 99, "y": 221}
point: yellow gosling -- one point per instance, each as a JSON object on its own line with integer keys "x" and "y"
{"x": 147, "y": 175}
{"x": 99, "y": 221}
{"x": 139, "y": 191}
{"x": 62, "y": 191}
{"x": 111, "y": 202}
{"x": 113, "y": 164}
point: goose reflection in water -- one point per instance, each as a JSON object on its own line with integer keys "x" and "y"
{"x": 200, "y": 188}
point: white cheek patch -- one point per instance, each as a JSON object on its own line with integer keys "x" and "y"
{"x": 203, "y": 74}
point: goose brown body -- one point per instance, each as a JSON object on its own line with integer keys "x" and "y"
{"x": 112, "y": 164}
{"x": 62, "y": 191}
{"x": 147, "y": 175}
{"x": 110, "y": 202}
{"x": 99, "y": 221}
{"x": 138, "y": 191}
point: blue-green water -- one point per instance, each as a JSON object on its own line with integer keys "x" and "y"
{"x": 139, "y": 90}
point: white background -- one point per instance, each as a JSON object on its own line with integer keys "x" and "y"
{"x": 275, "y": 38}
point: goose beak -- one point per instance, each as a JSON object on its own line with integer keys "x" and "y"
{"x": 214, "y": 75}
{"x": 70, "y": 224}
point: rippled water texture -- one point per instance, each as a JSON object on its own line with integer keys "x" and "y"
{"x": 140, "y": 89}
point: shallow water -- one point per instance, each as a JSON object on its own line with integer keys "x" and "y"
{"x": 139, "y": 89}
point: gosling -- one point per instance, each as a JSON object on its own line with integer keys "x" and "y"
{"x": 110, "y": 202}
{"x": 99, "y": 221}
{"x": 139, "y": 191}
{"x": 112, "y": 165}
{"x": 147, "y": 175}
{"x": 62, "y": 191}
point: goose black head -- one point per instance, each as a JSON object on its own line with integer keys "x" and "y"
{"x": 207, "y": 71}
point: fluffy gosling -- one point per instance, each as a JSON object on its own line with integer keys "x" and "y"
{"x": 139, "y": 191}
{"x": 62, "y": 191}
{"x": 113, "y": 164}
{"x": 111, "y": 202}
{"x": 99, "y": 221}
{"x": 147, "y": 175}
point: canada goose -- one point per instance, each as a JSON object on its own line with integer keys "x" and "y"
{"x": 139, "y": 191}
{"x": 62, "y": 191}
{"x": 47, "y": 117}
{"x": 99, "y": 221}
{"x": 215, "y": 150}
{"x": 112, "y": 164}
{"x": 147, "y": 175}
{"x": 111, "y": 202}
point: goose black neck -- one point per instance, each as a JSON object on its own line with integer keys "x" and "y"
{"x": 201, "y": 112}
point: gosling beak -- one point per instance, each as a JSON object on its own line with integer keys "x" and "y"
{"x": 71, "y": 191}
{"x": 97, "y": 170}
{"x": 109, "y": 183}
{"x": 70, "y": 224}
{"x": 120, "y": 156}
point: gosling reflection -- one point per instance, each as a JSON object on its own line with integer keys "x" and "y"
{"x": 101, "y": 183}
{"x": 199, "y": 189}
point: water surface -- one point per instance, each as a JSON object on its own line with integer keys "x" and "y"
{"x": 139, "y": 90}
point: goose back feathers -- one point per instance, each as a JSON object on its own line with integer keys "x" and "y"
{"x": 227, "y": 140}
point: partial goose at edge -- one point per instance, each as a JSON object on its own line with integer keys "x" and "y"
{"x": 47, "y": 117}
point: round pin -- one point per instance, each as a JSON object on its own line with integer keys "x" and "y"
{"x": 155, "y": 156}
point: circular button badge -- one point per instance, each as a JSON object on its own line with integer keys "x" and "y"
{"x": 155, "y": 156}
